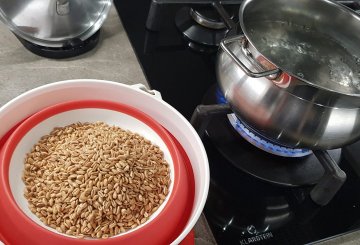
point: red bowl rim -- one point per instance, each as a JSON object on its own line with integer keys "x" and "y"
{"x": 170, "y": 207}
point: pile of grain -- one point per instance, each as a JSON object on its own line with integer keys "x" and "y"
{"x": 95, "y": 180}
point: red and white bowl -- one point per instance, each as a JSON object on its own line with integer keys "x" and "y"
{"x": 183, "y": 135}
{"x": 41, "y": 123}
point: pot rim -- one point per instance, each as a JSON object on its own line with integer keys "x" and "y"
{"x": 302, "y": 80}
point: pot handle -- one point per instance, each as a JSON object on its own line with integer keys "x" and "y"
{"x": 244, "y": 41}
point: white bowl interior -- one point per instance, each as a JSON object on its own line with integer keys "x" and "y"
{"x": 91, "y": 115}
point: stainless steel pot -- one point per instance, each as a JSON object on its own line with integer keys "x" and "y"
{"x": 53, "y": 23}
{"x": 294, "y": 74}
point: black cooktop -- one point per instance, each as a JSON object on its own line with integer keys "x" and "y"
{"x": 241, "y": 209}
{"x": 181, "y": 74}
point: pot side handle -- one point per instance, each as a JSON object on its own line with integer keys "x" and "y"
{"x": 243, "y": 40}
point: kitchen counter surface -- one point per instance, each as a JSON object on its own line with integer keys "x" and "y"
{"x": 113, "y": 59}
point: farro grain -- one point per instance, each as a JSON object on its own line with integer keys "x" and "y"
{"x": 94, "y": 180}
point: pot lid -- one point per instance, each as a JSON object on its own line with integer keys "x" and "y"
{"x": 53, "y": 23}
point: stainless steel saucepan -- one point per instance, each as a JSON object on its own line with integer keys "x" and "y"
{"x": 294, "y": 76}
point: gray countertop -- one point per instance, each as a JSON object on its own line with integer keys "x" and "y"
{"x": 113, "y": 59}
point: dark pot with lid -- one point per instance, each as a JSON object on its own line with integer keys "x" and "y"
{"x": 294, "y": 76}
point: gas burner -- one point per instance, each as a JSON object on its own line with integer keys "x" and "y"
{"x": 250, "y": 158}
{"x": 264, "y": 144}
{"x": 73, "y": 48}
{"x": 258, "y": 140}
{"x": 206, "y": 17}
{"x": 203, "y": 25}
{"x": 195, "y": 32}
